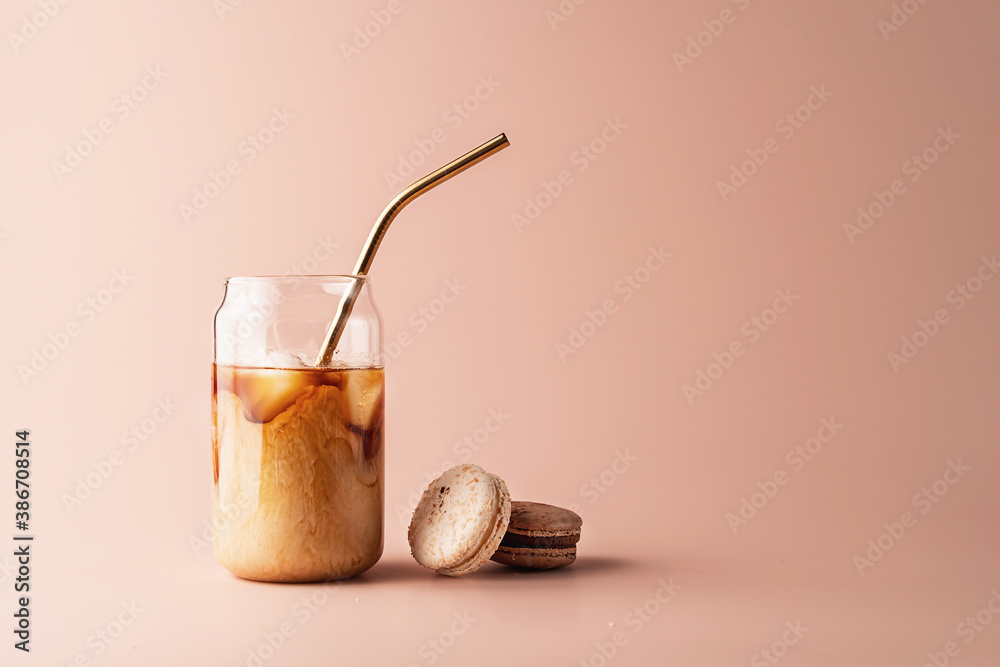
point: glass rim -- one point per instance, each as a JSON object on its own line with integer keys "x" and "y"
{"x": 289, "y": 277}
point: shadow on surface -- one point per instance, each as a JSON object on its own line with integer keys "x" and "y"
{"x": 582, "y": 567}
{"x": 400, "y": 569}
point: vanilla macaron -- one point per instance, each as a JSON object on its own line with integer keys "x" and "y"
{"x": 460, "y": 520}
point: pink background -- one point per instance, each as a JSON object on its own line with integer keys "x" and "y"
{"x": 306, "y": 203}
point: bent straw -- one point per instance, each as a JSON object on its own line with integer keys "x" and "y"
{"x": 416, "y": 189}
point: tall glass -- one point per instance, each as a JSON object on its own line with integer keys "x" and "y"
{"x": 297, "y": 451}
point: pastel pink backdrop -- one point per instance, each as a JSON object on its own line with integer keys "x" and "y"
{"x": 685, "y": 462}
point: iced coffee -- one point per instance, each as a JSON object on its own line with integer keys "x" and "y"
{"x": 298, "y": 471}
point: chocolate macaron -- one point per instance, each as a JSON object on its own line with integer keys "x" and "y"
{"x": 539, "y": 536}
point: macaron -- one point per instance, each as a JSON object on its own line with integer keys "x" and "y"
{"x": 459, "y": 521}
{"x": 539, "y": 536}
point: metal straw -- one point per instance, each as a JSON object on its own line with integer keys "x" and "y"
{"x": 418, "y": 188}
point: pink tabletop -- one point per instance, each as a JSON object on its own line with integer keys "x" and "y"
{"x": 730, "y": 294}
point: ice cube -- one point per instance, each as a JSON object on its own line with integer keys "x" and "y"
{"x": 267, "y": 392}
{"x": 362, "y": 393}
{"x": 283, "y": 359}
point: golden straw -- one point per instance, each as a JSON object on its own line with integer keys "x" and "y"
{"x": 418, "y": 188}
